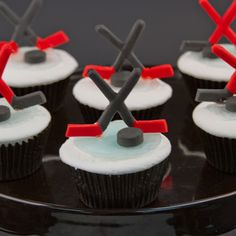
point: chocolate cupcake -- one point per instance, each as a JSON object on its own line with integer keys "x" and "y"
{"x": 115, "y": 166}
{"x": 38, "y": 66}
{"x": 92, "y": 102}
{"x": 24, "y": 127}
{"x": 219, "y": 135}
{"x": 199, "y": 67}
{"x": 216, "y": 118}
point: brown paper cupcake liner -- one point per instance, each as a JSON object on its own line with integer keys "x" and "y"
{"x": 193, "y": 84}
{"x": 220, "y": 152}
{"x": 91, "y": 115}
{"x": 55, "y": 93}
{"x": 20, "y": 160}
{"x": 120, "y": 191}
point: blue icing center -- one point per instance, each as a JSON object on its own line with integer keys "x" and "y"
{"x": 106, "y": 146}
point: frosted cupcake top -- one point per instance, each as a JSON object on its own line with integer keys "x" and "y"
{"x": 195, "y": 65}
{"x": 23, "y": 124}
{"x": 214, "y": 119}
{"x": 58, "y": 66}
{"x": 146, "y": 94}
{"x": 104, "y": 156}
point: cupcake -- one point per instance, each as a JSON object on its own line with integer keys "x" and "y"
{"x": 92, "y": 102}
{"x": 199, "y": 67}
{"x": 39, "y": 65}
{"x": 203, "y": 72}
{"x": 24, "y": 127}
{"x": 216, "y": 118}
{"x": 117, "y": 164}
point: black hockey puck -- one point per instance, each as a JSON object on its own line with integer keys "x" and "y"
{"x": 130, "y": 137}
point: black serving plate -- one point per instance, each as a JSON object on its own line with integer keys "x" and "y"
{"x": 195, "y": 199}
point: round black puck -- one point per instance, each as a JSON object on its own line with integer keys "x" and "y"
{"x": 230, "y": 104}
{"x": 35, "y": 57}
{"x": 207, "y": 53}
{"x": 130, "y": 137}
{"x": 119, "y": 78}
{"x": 5, "y": 113}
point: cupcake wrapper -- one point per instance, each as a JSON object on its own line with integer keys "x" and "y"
{"x": 189, "y": 136}
{"x": 20, "y": 160}
{"x": 55, "y": 93}
{"x": 120, "y": 191}
{"x": 193, "y": 84}
{"x": 220, "y": 152}
{"x": 91, "y": 115}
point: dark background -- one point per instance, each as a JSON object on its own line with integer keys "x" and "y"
{"x": 168, "y": 23}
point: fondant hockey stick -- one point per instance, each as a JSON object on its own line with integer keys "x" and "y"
{"x": 116, "y": 105}
{"x": 15, "y": 101}
{"x": 223, "y": 28}
{"x": 23, "y": 28}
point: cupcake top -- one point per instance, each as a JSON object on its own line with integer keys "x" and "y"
{"x": 214, "y": 119}
{"x": 155, "y": 92}
{"x": 23, "y": 124}
{"x": 104, "y": 156}
{"x": 40, "y": 63}
{"x": 58, "y": 66}
{"x": 199, "y": 61}
{"x": 195, "y": 65}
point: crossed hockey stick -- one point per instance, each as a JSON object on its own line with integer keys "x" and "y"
{"x": 116, "y": 105}
{"x": 23, "y": 27}
{"x": 223, "y": 27}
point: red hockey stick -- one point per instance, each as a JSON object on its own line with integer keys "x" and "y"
{"x": 231, "y": 60}
{"x": 223, "y": 23}
{"x": 161, "y": 72}
{"x": 52, "y": 41}
{"x": 5, "y": 53}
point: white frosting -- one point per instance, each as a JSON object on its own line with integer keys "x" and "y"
{"x": 23, "y": 124}
{"x": 58, "y": 66}
{"x": 104, "y": 156}
{"x": 146, "y": 94}
{"x": 214, "y": 119}
{"x": 195, "y": 65}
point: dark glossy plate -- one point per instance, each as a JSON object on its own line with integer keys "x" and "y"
{"x": 195, "y": 199}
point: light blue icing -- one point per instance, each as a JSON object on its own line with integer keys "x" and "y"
{"x": 23, "y": 124}
{"x": 106, "y": 147}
